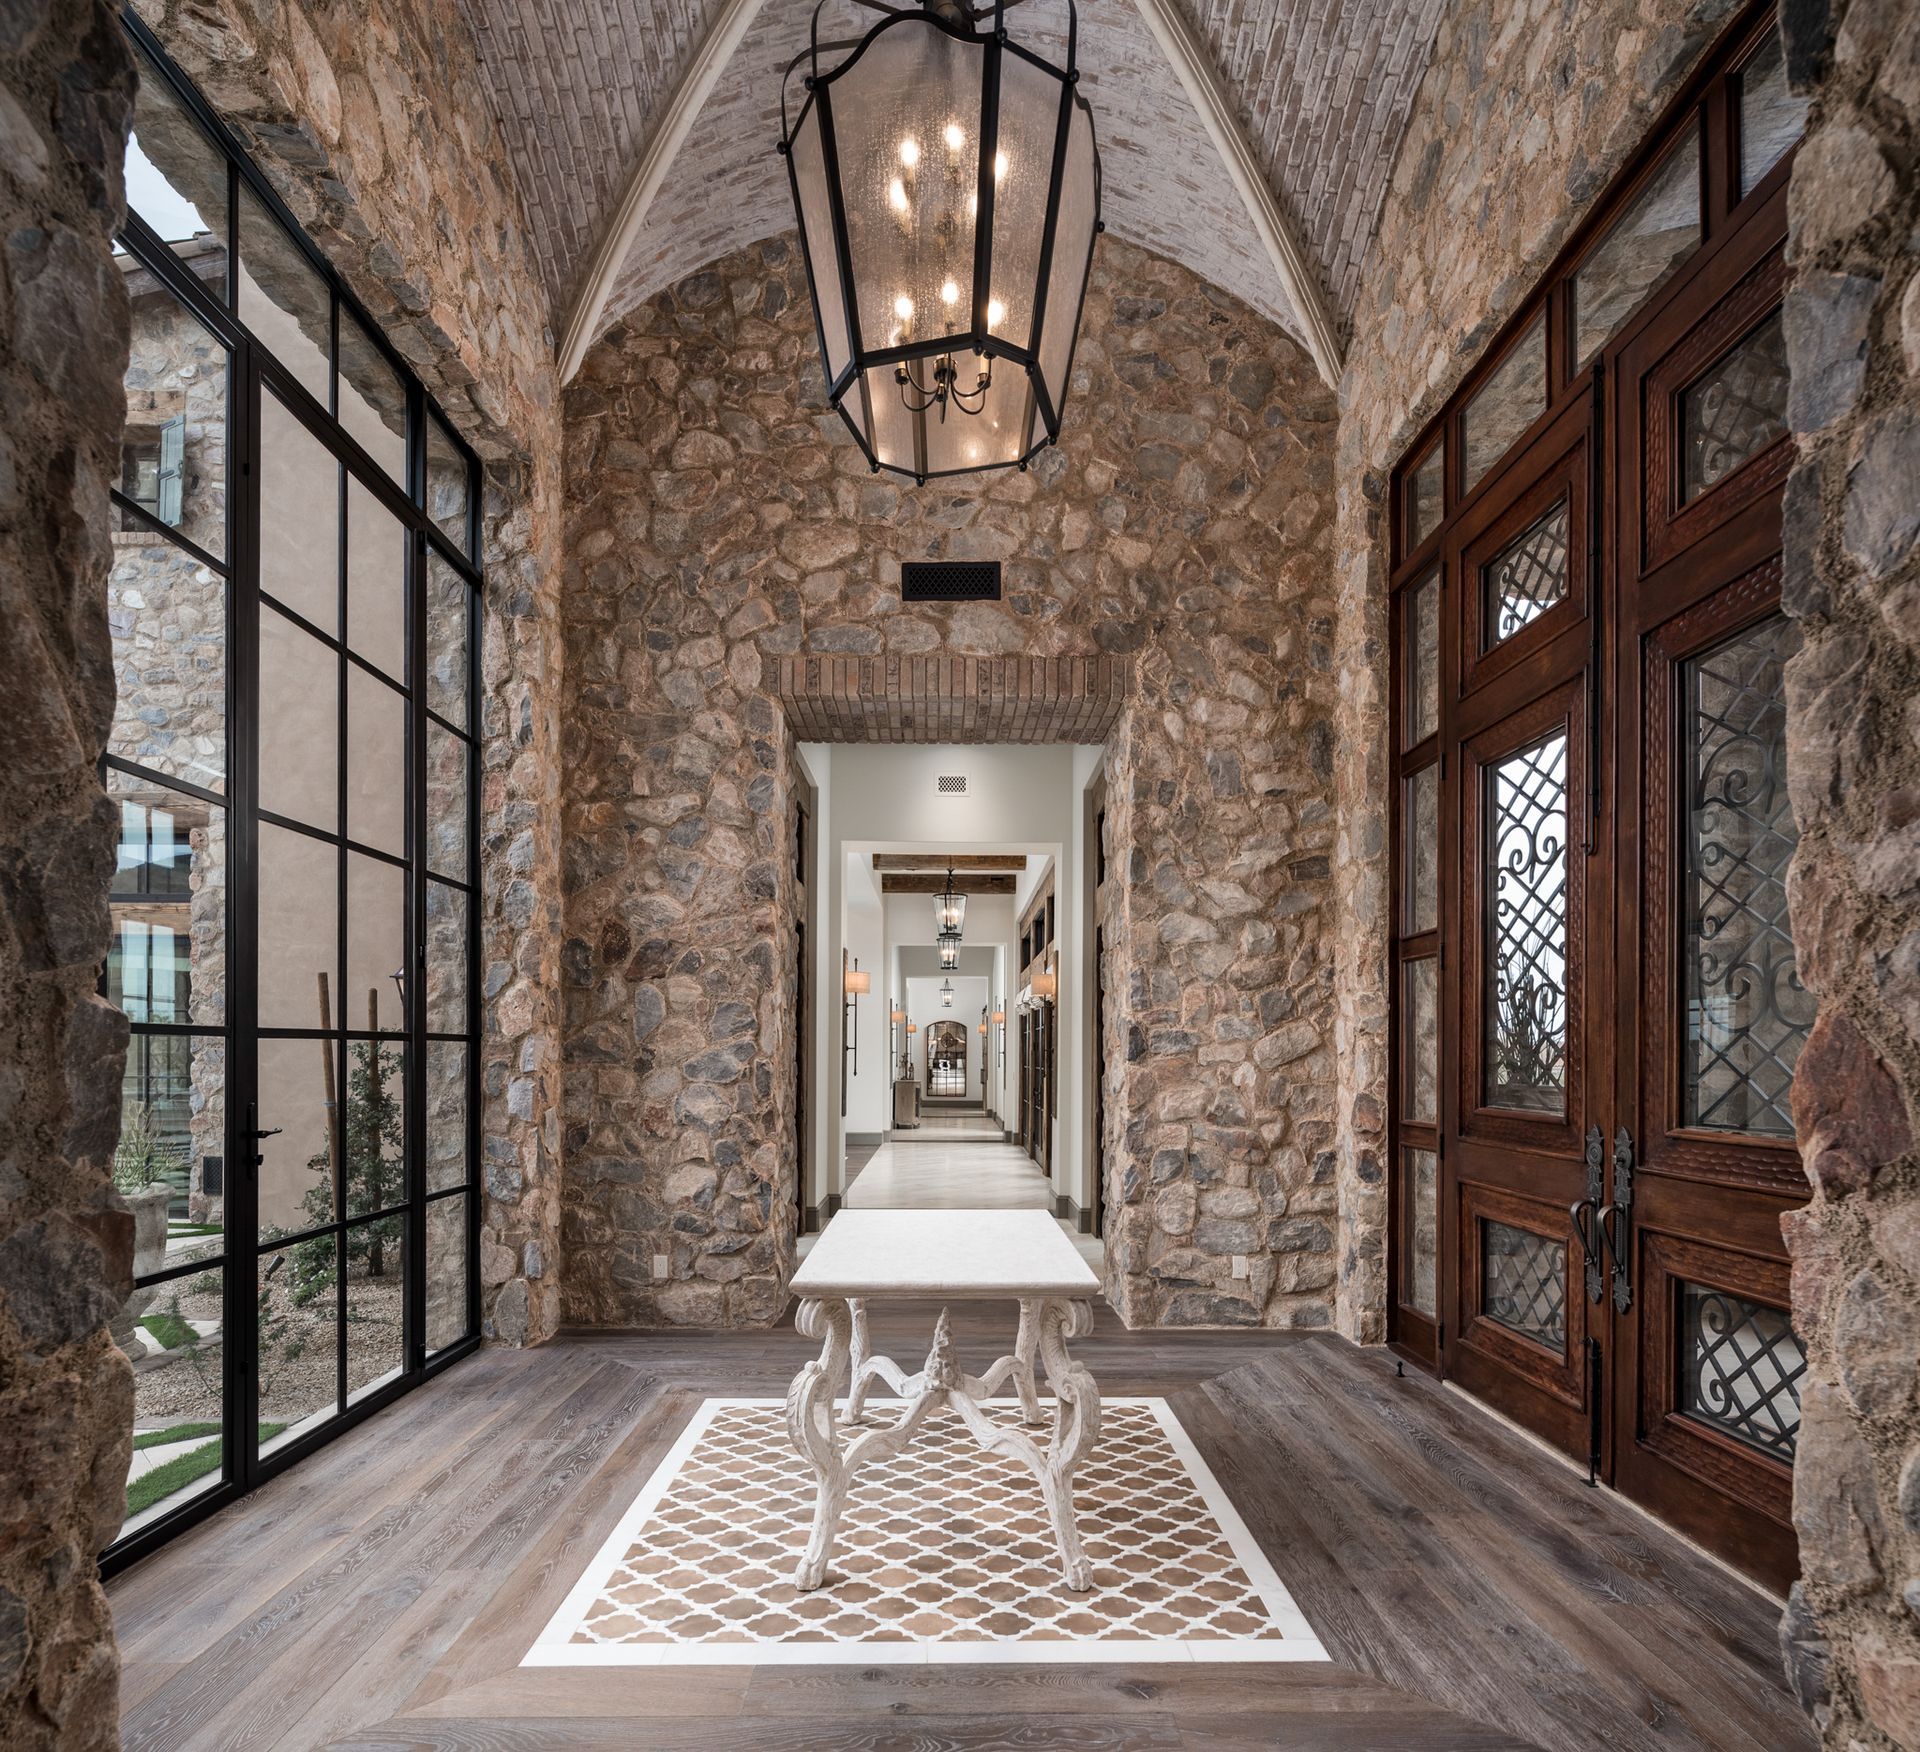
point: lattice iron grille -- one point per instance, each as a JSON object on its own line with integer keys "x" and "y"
{"x": 1527, "y": 577}
{"x": 1526, "y": 975}
{"x": 1734, "y": 409}
{"x": 950, "y": 581}
{"x": 1523, "y": 1283}
{"x": 1748, "y": 1014}
{"x": 1740, "y": 1369}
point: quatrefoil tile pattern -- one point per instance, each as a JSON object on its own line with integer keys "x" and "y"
{"x": 944, "y": 1553}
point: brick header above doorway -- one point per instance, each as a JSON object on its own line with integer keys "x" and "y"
{"x": 953, "y": 699}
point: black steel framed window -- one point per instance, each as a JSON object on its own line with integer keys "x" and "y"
{"x": 294, "y": 602}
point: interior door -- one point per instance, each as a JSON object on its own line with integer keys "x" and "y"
{"x": 1522, "y": 1071}
{"x": 1703, "y": 1165}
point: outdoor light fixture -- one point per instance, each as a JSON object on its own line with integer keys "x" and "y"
{"x": 948, "y": 191}
{"x": 950, "y": 913}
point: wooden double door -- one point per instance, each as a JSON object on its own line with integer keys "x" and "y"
{"x": 1609, "y": 980}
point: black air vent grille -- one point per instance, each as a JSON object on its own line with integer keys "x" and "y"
{"x": 950, "y": 581}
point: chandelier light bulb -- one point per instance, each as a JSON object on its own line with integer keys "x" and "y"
{"x": 909, "y": 152}
{"x": 999, "y": 167}
{"x": 949, "y": 293}
{"x": 955, "y": 137}
{"x": 996, "y": 313}
{"x": 903, "y": 308}
{"x": 973, "y": 206}
{"x": 897, "y": 195}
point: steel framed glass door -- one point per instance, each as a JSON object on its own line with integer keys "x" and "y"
{"x": 294, "y": 602}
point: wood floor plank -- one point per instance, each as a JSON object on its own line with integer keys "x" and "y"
{"x": 1473, "y": 1593}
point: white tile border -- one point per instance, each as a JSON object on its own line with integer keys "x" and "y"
{"x": 553, "y": 1649}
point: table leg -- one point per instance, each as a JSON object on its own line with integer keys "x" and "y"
{"x": 862, "y": 1349}
{"x": 1076, "y": 1429}
{"x": 810, "y": 1424}
{"x": 1026, "y": 1347}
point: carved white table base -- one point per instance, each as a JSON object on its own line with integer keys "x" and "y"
{"x": 838, "y": 1450}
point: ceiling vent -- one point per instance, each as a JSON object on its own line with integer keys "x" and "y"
{"x": 952, "y": 784}
{"x": 950, "y": 581}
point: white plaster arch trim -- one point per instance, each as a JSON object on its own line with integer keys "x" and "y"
{"x": 715, "y": 51}
{"x": 1189, "y": 58}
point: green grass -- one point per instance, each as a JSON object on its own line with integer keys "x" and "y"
{"x": 184, "y": 1228}
{"x": 169, "y": 1331}
{"x": 177, "y": 1433}
{"x": 179, "y": 1472}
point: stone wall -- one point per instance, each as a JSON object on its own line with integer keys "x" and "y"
{"x": 66, "y": 1251}
{"x": 1528, "y": 108}
{"x": 1853, "y": 741}
{"x": 374, "y": 126}
{"x": 719, "y": 520}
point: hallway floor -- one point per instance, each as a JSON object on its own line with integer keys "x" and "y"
{"x": 1471, "y": 1592}
{"x": 958, "y": 1163}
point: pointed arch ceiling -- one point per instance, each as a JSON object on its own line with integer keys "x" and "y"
{"x": 1249, "y": 139}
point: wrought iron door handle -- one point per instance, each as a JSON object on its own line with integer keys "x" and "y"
{"x": 1580, "y": 1215}
{"x": 1620, "y": 1211}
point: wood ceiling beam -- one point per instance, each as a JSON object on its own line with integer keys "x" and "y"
{"x": 938, "y": 884}
{"x": 663, "y": 147}
{"x": 1193, "y": 65}
{"x": 950, "y": 860}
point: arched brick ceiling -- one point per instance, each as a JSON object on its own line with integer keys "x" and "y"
{"x": 1322, "y": 91}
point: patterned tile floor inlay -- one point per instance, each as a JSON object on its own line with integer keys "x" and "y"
{"x": 943, "y": 1555}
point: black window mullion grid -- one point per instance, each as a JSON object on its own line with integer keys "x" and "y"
{"x": 414, "y": 1124}
{"x": 249, "y": 368}
{"x": 342, "y": 782}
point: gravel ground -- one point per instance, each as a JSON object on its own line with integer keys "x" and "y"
{"x": 297, "y": 1346}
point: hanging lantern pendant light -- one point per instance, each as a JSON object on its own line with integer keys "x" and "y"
{"x": 950, "y": 912}
{"x": 947, "y": 186}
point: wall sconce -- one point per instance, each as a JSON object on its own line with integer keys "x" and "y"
{"x": 1046, "y": 986}
{"x": 854, "y": 985}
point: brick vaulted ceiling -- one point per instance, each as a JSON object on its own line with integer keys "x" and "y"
{"x": 1321, "y": 90}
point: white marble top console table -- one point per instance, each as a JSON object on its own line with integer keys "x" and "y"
{"x": 942, "y": 1256}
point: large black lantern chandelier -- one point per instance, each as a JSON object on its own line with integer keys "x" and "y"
{"x": 948, "y": 192}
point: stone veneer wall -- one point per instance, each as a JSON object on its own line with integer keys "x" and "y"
{"x": 374, "y": 125}
{"x": 1853, "y": 743}
{"x": 66, "y": 1251}
{"x": 1525, "y": 113}
{"x": 719, "y": 519}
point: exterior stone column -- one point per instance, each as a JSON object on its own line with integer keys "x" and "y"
{"x": 66, "y": 1243}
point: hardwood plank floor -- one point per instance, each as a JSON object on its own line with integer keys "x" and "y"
{"x": 1472, "y": 1593}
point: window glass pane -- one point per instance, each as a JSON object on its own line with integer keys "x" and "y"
{"x": 373, "y": 401}
{"x": 376, "y": 1254}
{"x": 173, "y": 452}
{"x": 446, "y": 1115}
{"x": 168, "y": 616}
{"x": 169, "y": 1163}
{"x": 283, "y": 300}
{"x": 1525, "y": 579}
{"x": 176, "y": 180}
{"x": 376, "y": 582}
{"x": 1420, "y": 1017}
{"x": 300, "y": 1094}
{"x": 1642, "y": 247}
{"x": 448, "y": 601}
{"x": 1420, "y": 1194}
{"x": 374, "y": 1141}
{"x": 446, "y": 1272}
{"x": 299, "y": 1363}
{"x": 299, "y": 725}
{"x": 447, "y": 486}
{"x": 376, "y": 944}
{"x": 1741, "y": 1365}
{"x": 1507, "y": 404}
{"x": 1747, "y": 1012}
{"x": 1772, "y": 118}
{"x": 446, "y": 959}
{"x": 1523, "y": 1283}
{"x": 299, "y": 518}
{"x": 171, "y": 1334}
{"x": 376, "y": 763}
{"x": 1424, "y": 501}
{"x": 1422, "y": 660}
{"x": 447, "y": 761}
{"x": 1734, "y": 410}
{"x": 1526, "y": 929}
{"x": 1423, "y": 849}
{"x": 299, "y": 910}
{"x": 168, "y": 957}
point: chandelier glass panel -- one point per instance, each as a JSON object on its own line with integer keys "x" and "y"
{"x": 950, "y": 912}
{"x": 948, "y": 191}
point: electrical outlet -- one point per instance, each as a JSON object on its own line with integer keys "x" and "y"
{"x": 662, "y": 1265}
{"x": 1239, "y": 1265}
